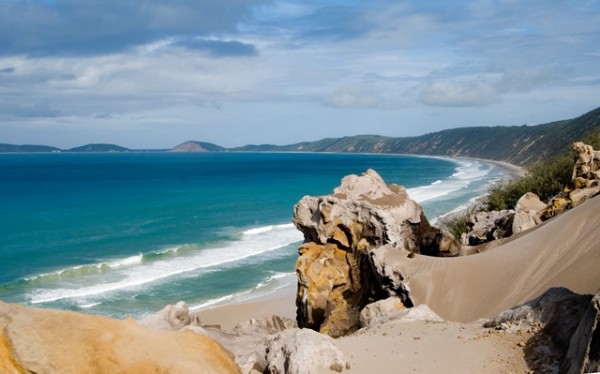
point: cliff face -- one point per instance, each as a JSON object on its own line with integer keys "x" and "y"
{"x": 338, "y": 269}
{"x": 49, "y": 341}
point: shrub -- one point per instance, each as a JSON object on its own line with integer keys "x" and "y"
{"x": 456, "y": 224}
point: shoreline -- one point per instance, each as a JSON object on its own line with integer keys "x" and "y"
{"x": 282, "y": 301}
{"x": 227, "y": 316}
{"x": 515, "y": 171}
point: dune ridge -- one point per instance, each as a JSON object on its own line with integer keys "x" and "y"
{"x": 563, "y": 252}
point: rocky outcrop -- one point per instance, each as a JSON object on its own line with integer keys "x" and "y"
{"x": 585, "y": 182}
{"x": 583, "y": 355}
{"x": 587, "y": 162}
{"x": 392, "y": 309}
{"x": 570, "y": 322}
{"x": 558, "y": 310}
{"x": 336, "y": 273}
{"x": 488, "y": 226}
{"x": 303, "y": 351}
{"x": 49, "y": 341}
{"x": 528, "y": 212}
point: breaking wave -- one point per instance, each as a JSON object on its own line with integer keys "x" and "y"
{"x": 143, "y": 269}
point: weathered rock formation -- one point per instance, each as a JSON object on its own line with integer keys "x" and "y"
{"x": 303, "y": 351}
{"x": 528, "y": 212}
{"x": 571, "y": 322}
{"x": 583, "y": 355}
{"x": 488, "y": 226}
{"x": 585, "y": 182}
{"x": 337, "y": 271}
{"x": 587, "y": 162}
{"x": 49, "y": 341}
{"x": 392, "y": 309}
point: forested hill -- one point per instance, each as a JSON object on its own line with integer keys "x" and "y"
{"x": 518, "y": 145}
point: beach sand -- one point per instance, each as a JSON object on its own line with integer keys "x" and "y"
{"x": 282, "y": 303}
{"x": 562, "y": 252}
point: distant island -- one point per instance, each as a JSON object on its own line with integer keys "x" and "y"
{"x": 519, "y": 145}
{"x": 193, "y": 146}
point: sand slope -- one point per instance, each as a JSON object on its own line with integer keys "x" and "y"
{"x": 564, "y": 252}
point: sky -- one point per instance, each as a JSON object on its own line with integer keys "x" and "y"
{"x": 155, "y": 73}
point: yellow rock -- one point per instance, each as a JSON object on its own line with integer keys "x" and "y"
{"x": 50, "y": 341}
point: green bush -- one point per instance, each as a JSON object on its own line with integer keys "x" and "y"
{"x": 456, "y": 224}
{"x": 543, "y": 179}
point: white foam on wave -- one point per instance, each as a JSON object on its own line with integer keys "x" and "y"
{"x": 249, "y": 245}
{"x": 82, "y": 270}
{"x": 465, "y": 173}
{"x": 89, "y": 305}
{"x": 128, "y": 261}
{"x": 264, "y": 229}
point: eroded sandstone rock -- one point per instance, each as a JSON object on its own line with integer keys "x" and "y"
{"x": 528, "y": 212}
{"x": 587, "y": 162}
{"x": 488, "y": 226}
{"x": 585, "y": 182}
{"x": 392, "y": 309}
{"x": 49, "y": 341}
{"x": 336, "y": 276}
{"x": 303, "y": 351}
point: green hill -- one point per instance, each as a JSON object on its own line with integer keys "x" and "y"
{"x": 519, "y": 145}
{"x": 98, "y": 148}
{"x": 27, "y": 148}
{"x": 194, "y": 146}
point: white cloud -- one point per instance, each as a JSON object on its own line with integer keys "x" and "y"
{"x": 353, "y": 98}
{"x": 342, "y": 62}
{"x": 458, "y": 93}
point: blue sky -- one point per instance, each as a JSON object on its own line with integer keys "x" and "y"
{"x": 153, "y": 74}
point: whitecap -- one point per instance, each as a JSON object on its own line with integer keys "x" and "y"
{"x": 162, "y": 268}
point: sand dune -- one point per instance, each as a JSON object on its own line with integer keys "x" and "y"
{"x": 564, "y": 252}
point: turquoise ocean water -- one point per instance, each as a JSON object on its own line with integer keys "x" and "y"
{"x": 125, "y": 234}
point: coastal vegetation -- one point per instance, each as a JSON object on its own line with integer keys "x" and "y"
{"x": 544, "y": 178}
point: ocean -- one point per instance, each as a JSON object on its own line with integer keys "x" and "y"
{"x": 124, "y": 234}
